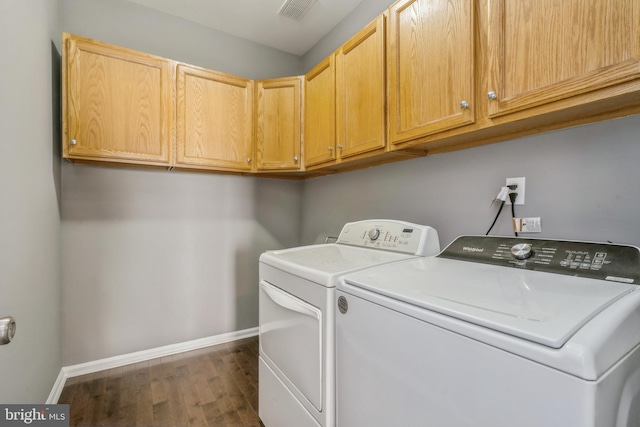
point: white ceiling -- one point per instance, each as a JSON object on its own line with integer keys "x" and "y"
{"x": 259, "y": 21}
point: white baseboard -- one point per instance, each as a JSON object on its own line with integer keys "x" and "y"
{"x": 140, "y": 356}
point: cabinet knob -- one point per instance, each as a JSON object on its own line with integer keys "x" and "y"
{"x": 464, "y": 105}
{"x": 340, "y": 146}
{"x": 248, "y": 159}
{"x": 73, "y": 142}
{"x": 492, "y": 96}
{"x": 330, "y": 148}
{"x": 295, "y": 158}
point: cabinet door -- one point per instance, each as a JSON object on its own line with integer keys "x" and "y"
{"x": 431, "y": 67}
{"x": 361, "y": 93}
{"x": 117, "y": 103}
{"x": 546, "y": 50}
{"x": 320, "y": 113}
{"x": 278, "y": 123}
{"x": 214, "y": 120}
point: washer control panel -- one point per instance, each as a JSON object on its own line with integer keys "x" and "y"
{"x": 606, "y": 261}
{"x": 391, "y": 235}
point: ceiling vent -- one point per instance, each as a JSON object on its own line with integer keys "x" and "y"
{"x": 295, "y": 9}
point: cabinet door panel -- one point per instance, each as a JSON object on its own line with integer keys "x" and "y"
{"x": 214, "y": 119}
{"x": 360, "y": 67}
{"x": 431, "y": 48}
{"x": 117, "y": 104}
{"x": 320, "y": 114}
{"x": 546, "y": 50}
{"x": 278, "y": 123}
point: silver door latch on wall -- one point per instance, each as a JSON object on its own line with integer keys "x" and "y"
{"x": 7, "y": 329}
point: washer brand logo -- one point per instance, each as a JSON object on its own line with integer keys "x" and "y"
{"x": 470, "y": 249}
{"x": 37, "y": 415}
{"x": 343, "y": 305}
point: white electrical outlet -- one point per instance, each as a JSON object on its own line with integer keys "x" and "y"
{"x": 520, "y": 190}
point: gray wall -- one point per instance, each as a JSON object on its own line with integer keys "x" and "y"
{"x": 29, "y": 212}
{"x": 137, "y": 27}
{"x": 152, "y": 258}
{"x": 582, "y": 182}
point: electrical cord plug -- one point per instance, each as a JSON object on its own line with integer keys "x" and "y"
{"x": 513, "y": 197}
{"x": 502, "y": 195}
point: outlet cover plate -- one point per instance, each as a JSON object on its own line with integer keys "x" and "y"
{"x": 520, "y": 181}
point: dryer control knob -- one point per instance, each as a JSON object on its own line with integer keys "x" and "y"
{"x": 374, "y": 233}
{"x": 521, "y": 251}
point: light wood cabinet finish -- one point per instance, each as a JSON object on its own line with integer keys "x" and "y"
{"x": 320, "y": 113}
{"x": 547, "y": 50}
{"x": 214, "y": 120}
{"x": 431, "y": 67}
{"x": 117, "y": 104}
{"x": 361, "y": 91}
{"x": 278, "y": 123}
{"x": 551, "y": 64}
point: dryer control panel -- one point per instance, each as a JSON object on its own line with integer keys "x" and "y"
{"x": 605, "y": 261}
{"x": 391, "y": 235}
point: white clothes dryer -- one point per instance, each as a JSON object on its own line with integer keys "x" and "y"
{"x": 493, "y": 332}
{"x": 297, "y": 317}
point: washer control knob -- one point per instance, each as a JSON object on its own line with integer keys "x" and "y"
{"x": 522, "y": 251}
{"x": 374, "y": 233}
{"x": 7, "y": 329}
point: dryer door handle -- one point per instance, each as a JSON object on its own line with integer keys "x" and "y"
{"x": 288, "y": 301}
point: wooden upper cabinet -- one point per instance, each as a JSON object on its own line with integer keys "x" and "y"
{"x": 547, "y": 50}
{"x": 117, "y": 103}
{"x": 361, "y": 91}
{"x": 278, "y": 123}
{"x": 320, "y": 113}
{"x": 431, "y": 67}
{"x": 214, "y": 120}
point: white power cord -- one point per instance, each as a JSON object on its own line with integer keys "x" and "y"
{"x": 502, "y": 195}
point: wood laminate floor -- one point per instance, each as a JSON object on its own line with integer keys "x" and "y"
{"x": 214, "y": 386}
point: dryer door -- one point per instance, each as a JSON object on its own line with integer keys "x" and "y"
{"x": 291, "y": 341}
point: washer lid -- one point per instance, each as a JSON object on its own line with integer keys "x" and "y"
{"x": 324, "y": 262}
{"x": 541, "y": 307}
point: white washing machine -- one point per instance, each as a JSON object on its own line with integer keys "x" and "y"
{"x": 297, "y": 316}
{"x": 493, "y": 332}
